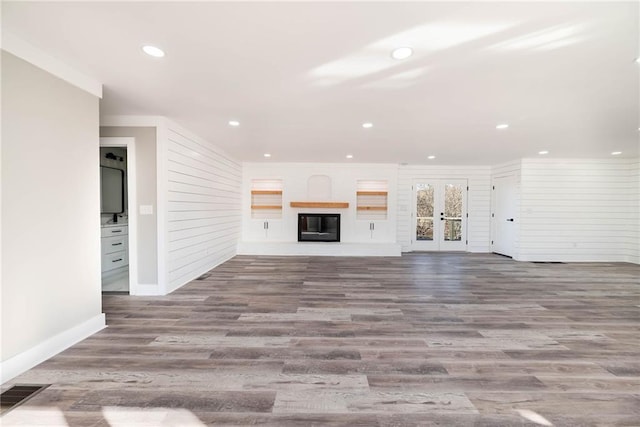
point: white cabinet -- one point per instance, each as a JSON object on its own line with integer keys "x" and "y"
{"x": 266, "y": 229}
{"x": 114, "y": 247}
{"x": 373, "y": 231}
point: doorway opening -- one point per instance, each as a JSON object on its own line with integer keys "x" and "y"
{"x": 439, "y": 215}
{"x": 117, "y": 215}
{"x": 505, "y": 215}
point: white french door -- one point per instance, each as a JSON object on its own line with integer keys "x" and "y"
{"x": 439, "y": 215}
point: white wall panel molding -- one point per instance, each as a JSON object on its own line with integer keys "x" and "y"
{"x": 133, "y": 121}
{"x": 581, "y": 210}
{"x": 200, "y": 187}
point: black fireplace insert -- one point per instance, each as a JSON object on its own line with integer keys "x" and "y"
{"x": 318, "y": 227}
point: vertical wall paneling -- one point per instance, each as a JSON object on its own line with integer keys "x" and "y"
{"x": 478, "y": 201}
{"x": 579, "y": 210}
{"x": 203, "y": 199}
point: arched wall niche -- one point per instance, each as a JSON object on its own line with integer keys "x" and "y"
{"x": 319, "y": 187}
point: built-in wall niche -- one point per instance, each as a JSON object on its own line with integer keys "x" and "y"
{"x": 266, "y": 198}
{"x": 371, "y": 201}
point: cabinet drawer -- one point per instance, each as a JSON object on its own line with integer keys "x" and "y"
{"x": 114, "y": 231}
{"x": 114, "y": 260}
{"x": 114, "y": 244}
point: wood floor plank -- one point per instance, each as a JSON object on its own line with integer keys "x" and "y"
{"x": 449, "y": 339}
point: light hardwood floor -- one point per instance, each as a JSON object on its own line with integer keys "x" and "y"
{"x": 424, "y": 339}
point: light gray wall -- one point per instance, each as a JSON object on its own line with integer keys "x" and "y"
{"x": 146, "y": 141}
{"x": 50, "y": 207}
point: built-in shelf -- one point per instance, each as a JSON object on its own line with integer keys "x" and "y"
{"x": 372, "y": 208}
{"x": 371, "y": 200}
{"x": 266, "y": 207}
{"x": 266, "y": 199}
{"x": 266, "y": 192}
{"x": 335, "y": 205}
{"x": 371, "y": 193}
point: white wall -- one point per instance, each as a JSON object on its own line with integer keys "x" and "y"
{"x": 344, "y": 178}
{"x": 478, "y": 201}
{"x": 146, "y": 193}
{"x": 202, "y": 187}
{"x": 579, "y": 210}
{"x": 51, "y": 293}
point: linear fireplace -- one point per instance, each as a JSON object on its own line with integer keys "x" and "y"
{"x": 318, "y": 227}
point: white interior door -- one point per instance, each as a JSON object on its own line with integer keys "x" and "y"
{"x": 505, "y": 192}
{"x": 440, "y": 215}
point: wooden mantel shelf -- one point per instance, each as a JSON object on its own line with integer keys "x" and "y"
{"x": 339, "y": 205}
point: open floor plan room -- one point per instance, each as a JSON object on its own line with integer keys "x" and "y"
{"x": 424, "y": 339}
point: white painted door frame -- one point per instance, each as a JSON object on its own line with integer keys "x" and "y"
{"x": 132, "y": 203}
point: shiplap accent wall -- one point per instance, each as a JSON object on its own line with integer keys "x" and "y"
{"x": 579, "y": 210}
{"x": 478, "y": 201}
{"x": 508, "y": 169}
{"x": 203, "y": 198}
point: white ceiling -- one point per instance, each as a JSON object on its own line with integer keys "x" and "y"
{"x": 303, "y": 77}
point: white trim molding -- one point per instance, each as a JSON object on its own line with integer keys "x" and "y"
{"x": 26, "y": 360}
{"x": 133, "y": 121}
{"x": 319, "y": 249}
{"x": 147, "y": 290}
{"x": 26, "y": 51}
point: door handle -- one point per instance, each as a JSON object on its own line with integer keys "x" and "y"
{"x": 510, "y": 219}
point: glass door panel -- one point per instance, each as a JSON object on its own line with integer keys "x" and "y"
{"x": 453, "y": 200}
{"x": 424, "y": 212}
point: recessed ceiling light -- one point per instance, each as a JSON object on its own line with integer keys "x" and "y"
{"x": 349, "y": 156}
{"x": 638, "y": 60}
{"x": 267, "y": 155}
{"x": 502, "y": 126}
{"x": 543, "y": 152}
{"x": 153, "y": 51}
{"x": 367, "y": 125}
{"x": 234, "y": 123}
{"x": 431, "y": 157}
{"x": 616, "y": 153}
{"x": 402, "y": 53}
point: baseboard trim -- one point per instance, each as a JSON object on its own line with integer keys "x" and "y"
{"x": 146, "y": 290}
{"x": 26, "y": 360}
{"x": 318, "y": 249}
